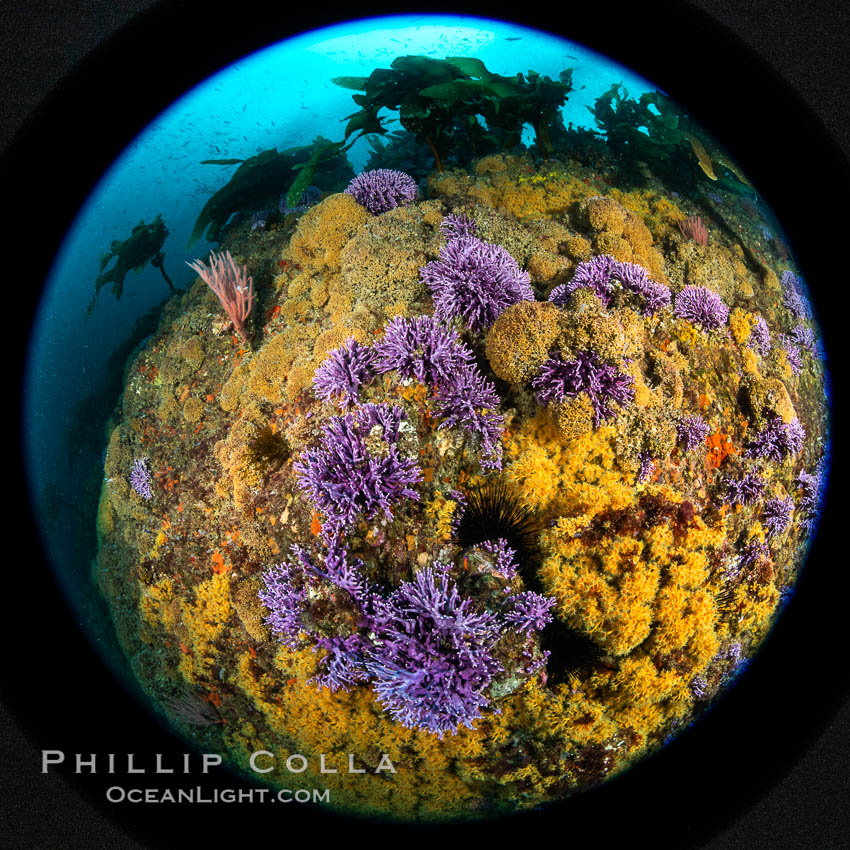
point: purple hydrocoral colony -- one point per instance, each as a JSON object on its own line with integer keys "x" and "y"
{"x": 636, "y": 279}
{"x": 777, "y": 440}
{"x": 699, "y": 687}
{"x": 343, "y": 372}
{"x": 456, "y": 226}
{"x": 744, "y": 490}
{"x": 595, "y": 274}
{"x": 530, "y": 611}
{"x": 777, "y": 516}
{"x": 284, "y": 598}
{"x": 505, "y": 557}
{"x": 692, "y": 431}
{"x": 475, "y": 281}
{"x": 751, "y": 554}
{"x": 382, "y": 190}
{"x": 343, "y": 573}
{"x": 793, "y": 355}
{"x": 601, "y": 382}
{"x": 811, "y": 486}
{"x": 344, "y": 663}
{"x": 645, "y": 468}
{"x": 344, "y": 479}
{"x": 432, "y": 665}
{"x": 702, "y": 307}
{"x": 759, "y": 339}
{"x": 140, "y": 478}
{"x": 804, "y": 336}
{"x": 426, "y": 649}
{"x": 421, "y": 348}
{"x": 471, "y": 401}
{"x": 598, "y": 274}
{"x": 794, "y": 296}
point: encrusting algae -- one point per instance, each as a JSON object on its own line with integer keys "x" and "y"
{"x": 397, "y": 466}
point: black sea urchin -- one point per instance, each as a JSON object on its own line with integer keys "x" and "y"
{"x": 492, "y": 511}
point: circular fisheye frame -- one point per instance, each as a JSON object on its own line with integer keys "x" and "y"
{"x": 463, "y": 422}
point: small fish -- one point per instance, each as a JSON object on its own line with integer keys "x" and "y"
{"x": 514, "y": 38}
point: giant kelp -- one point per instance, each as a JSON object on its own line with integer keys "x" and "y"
{"x": 655, "y": 131}
{"x": 260, "y": 180}
{"x": 441, "y": 101}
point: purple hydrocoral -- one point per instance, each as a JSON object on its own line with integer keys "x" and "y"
{"x": 469, "y": 400}
{"x": 601, "y": 382}
{"x": 692, "y": 431}
{"x": 344, "y": 663}
{"x": 345, "y": 479}
{"x": 595, "y": 274}
{"x": 529, "y": 611}
{"x": 342, "y": 572}
{"x": 804, "y": 336}
{"x": 744, "y": 490}
{"x": 810, "y": 487}
{"x": 636, "y": 279}
{"x": 427, "y": 649}
{"x": 343, "y": 372}
{"x": 759, "y": 339}
{"x": 777, "y": 440}
{"x": 284, "y": 596}
{"x": 754, "y": 552}
{"x": 699, "y": 687}
{"x": 421, "y": 348}
{"x": 777, "y": 515}
{"x": 382, "y": 190}
{"x": 811, "y": 490}
{"x": 504, "y": 556}
{"x": 794, "y": 296}
{"x": 702, "y": 307}
{"x": 432, "y": 663}
{"x": 645, "y": 468}
{"x": 475, "y": 281}
{"x": 793, "y": 355}
{"x": 598, "y": 275}
{"x": 140, "y": 478}
{"x": 456, "y": 226}
{"x": 431, "y": 352}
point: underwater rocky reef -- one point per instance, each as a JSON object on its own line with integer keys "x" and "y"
{"x": 502, "y": 474}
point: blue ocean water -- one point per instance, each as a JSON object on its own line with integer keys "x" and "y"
{"x": 279, "y": 97}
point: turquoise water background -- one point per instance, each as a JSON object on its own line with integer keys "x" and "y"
{"x": 279, "y": 97}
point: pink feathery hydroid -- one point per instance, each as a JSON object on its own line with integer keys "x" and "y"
{"x": 231, "y": 284}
